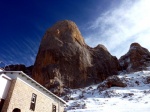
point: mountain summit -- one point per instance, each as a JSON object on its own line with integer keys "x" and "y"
{"x": 136, "y": 59}
{"x": 64, "y": 57}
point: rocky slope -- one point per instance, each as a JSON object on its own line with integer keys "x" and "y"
{"x": 133, "y": 97}
{"x": 65, "y": 59}
{"x": 137, "y": 58}
{"x": 20, "y": 67}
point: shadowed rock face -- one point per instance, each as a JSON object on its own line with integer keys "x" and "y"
{"x": 63, "y": 55}
{"x": 137, "y": 58}
{"x": 20, "y": 67}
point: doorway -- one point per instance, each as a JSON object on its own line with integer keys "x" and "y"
{"x": 16, "y": 110}
{"x": 1, "y": 104}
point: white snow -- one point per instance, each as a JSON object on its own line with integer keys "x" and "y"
{"x": 133, "y": 98}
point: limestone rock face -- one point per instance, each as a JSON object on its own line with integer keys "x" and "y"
{"x": 137, "y": 58}
{"x": 64, "y": 57}
{"x": 104, "y": 64}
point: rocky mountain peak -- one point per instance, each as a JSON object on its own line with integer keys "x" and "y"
{"x": 63, "y": 32}
{"x": 100, "y": 46}
{"x": 64, "y": 59}
{"x": 137, "y": 58}
{"x": 135, "y": 45}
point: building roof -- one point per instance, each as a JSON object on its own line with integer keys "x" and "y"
{"x": 1, "y": 69}
{"x": 33, "y": 81}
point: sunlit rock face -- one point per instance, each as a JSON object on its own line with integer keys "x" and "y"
{"x": 137, "y": 58}
{"x": 64, "y": 57}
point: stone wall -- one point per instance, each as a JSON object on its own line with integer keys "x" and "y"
{"x": 20, "y": 95}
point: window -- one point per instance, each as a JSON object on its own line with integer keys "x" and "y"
{"x": 33, "y": 102}
{"x": 53, "y": 108}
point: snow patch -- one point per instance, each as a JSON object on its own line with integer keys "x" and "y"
{"x": 133, "y": 98}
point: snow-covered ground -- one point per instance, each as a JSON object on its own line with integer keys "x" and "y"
{"x": 133, "y": 98}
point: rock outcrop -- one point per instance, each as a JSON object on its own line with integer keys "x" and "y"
{"x": 20, "y": 67}
{"x": 112, "y": 81}
{"x": 137, "y": 58}
{"x": 64, "y": 59}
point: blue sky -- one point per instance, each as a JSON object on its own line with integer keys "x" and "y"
{"x": 114, "y": 23}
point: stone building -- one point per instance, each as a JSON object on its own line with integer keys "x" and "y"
{"x": 20, "y": 93}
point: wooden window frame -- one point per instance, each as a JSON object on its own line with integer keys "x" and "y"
{"x": 53, "y": 108}
{"x": 33, "y": 101}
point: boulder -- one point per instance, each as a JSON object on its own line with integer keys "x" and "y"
{"x": 112, "y": 81}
